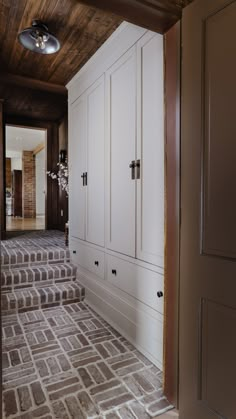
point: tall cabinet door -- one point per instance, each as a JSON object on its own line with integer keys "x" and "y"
{"x": 77, "y": 166}
{"x": 150, "y": 150}
{"x": 95, "y": 163}
{"x": 121, "y": 111}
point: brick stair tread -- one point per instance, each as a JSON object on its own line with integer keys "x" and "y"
{"x": 33, "y": 256}
{"x": 34, "y": 298}
{"x": 37, "y": 276}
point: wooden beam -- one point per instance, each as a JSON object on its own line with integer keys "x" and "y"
{"x": 39, "y": 148}
{"x": 157, "y": 15}
{"x": 12, "y": 79}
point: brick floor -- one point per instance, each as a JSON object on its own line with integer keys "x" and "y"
{"x": 53, "y": 367}
{"x": 66, "y": 362}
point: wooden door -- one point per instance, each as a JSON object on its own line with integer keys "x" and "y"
{"x": 121, "y": 111}
{"x": 17, "y": 193}
{"x": 77, "y": 166}
{"x": 150, "y": 150}
{"x": 8, "y": 175}
{"x": 208, "y": 201}
{"x": 95, "y": 163}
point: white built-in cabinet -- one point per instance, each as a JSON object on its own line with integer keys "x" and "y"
{"x": 135, "y": 111}
{"x": 95, "y": 163}
{"x": 121, "y": 144}
{"x": 87, "y": 165}
{"x": 116, "y": 202}
{"x": 150, "y": 150}
{"x": 77, "y": 166}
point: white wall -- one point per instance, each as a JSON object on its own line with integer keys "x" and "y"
{"x": 40, "y": 182}
{"x": 16, "y": 163}
{"x": 13, "y": 154}
{"x": 16, "y": 159}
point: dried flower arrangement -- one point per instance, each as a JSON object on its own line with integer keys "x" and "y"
{"x": 61, "y": 176}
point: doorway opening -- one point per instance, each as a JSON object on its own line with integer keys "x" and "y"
{"x": 25, "y": 178}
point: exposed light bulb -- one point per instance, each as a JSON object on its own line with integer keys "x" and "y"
{"x": 40, "y": 41}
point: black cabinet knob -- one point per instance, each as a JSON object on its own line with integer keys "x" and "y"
{"x": 96, "y": 263}
{"x": 74, "y": 251}
{"x": 113, "y": 271}
{"x": 159, "y": 294}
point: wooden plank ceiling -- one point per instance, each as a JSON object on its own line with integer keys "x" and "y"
{"x": 81, "y": 26}
{"x": 80, "y": 29}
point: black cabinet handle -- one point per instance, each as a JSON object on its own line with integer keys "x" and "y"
{"x": 74, "y": 251}
{"x": 84, "y": 176}
{"x": 96, "y": 263}
{"x": 113, "y": 271}
{"x": 159, "y": 294}
{"x": 132, "y": 167}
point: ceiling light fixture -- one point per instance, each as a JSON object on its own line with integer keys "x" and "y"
{"x": 38, "y": 39}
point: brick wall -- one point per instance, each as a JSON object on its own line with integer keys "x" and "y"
{"x": 28, "y": 184}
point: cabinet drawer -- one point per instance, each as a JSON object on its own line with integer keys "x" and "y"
{"x": 141, "y": 283}
{"x": 87, "y": 257}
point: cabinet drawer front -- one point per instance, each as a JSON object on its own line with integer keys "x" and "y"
{"x": 88, "y": 257}
{"x": 142, "y": 284}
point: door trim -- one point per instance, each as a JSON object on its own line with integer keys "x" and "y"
{"x": 52, "y": 191}
{"x": 2, "y": 173}
{"x": 172, "y": 213}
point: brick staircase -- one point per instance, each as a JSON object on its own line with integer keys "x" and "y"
{"x": 36, "y": 273}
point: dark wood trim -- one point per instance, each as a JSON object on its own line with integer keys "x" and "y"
{"x": 63, "y": 199}
{"x": 156, "y": 15}
{"x": 2, "y": 173}
{"x": 172, "y": 156}
{"x": 29, "y": 83}
{"x": 2, "y": 218}
{"x": 51, "y": 197}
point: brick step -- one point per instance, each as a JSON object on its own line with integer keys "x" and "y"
{"x": 33, "y": 256}
{"x": 38, "y": 298}
{"x": 13, "y": 279}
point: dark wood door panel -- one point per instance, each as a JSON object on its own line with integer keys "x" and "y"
{"x": 207, "y": 239}
{"x": 219, "y": 201}
{"x": 218, "y": 348}
{"x": 17, "y": 193}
